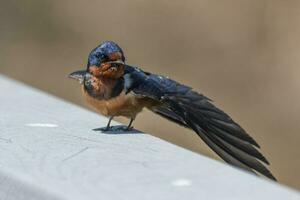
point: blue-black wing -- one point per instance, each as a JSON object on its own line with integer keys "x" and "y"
{"x": 182, "y": 105}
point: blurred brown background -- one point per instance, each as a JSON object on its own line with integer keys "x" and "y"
{"x": 244, "y": 54}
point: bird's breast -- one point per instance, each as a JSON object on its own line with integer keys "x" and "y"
{"x": 126, "y": 105}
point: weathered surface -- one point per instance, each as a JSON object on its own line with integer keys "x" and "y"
{"x": 49, "y": 151}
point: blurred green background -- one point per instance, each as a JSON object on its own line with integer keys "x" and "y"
{"x": 244, "y": 54}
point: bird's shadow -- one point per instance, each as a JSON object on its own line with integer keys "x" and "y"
{"x": 117, "y": 130}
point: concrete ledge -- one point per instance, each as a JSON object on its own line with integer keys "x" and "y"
{"x": 49, "y": 151}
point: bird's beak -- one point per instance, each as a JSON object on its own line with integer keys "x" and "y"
{"x": 78, "y": 75}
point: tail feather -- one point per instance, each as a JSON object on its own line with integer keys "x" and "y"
{"x": 226, "y": 156}
{"x": 235, "y": 130}
{"x": 241, "y": 144}
{"x": 182, "y": 105}
{"x": 233, "y": 151}
{"x": 218, "y": 131}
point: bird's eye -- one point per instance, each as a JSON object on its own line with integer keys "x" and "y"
{"x": 101, "y": 56}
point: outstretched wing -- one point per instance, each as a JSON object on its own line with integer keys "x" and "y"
{"x": 182, "y": 105}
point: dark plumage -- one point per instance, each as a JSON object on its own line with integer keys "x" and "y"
{"x": 190, "y": 109}
{"x": 117, "y": 89}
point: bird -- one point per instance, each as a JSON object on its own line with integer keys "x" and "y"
{"x": 114, "y": 88}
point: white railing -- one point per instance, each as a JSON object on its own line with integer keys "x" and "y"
{"x": 49, "y": 150}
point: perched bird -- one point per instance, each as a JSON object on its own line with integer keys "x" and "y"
{"x": 116, "y": 89}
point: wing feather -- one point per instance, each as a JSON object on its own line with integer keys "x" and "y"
{"x": 182, "y": 105}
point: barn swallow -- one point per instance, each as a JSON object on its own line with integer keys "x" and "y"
{"x": 115, "y": 88}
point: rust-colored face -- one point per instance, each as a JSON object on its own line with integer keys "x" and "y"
{"x": 107, "y": 69}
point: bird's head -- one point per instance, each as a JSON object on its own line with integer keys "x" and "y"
{"x": 106, "y": 60}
